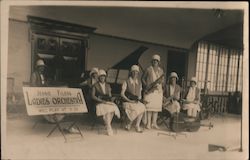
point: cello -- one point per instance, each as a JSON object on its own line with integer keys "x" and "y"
{"x": 179, "y": 122}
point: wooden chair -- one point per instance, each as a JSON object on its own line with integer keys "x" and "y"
{"x": 119, "y": 102}
{"x": 164, "y": 116}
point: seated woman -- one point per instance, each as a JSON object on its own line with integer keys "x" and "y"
{"x": 93, "y": 78}
{"x": 191, "y": 103}
{"x": 172, "y": 95}
{"x": 87, "y": 89}
{"x": 101, "y": 94}
{"x": 131, "y": 93}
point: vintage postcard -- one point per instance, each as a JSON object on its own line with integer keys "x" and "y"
{"x": 124, "y": 80}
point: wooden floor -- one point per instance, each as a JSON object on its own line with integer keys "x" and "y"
{"x": 23, "y": 142}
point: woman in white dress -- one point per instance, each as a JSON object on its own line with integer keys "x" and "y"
{"x": 101, "y": 94}
{"x": 192, "y": 99}
{"x": 172, "y": 95}
{"x": 153, "y": 99}
{"x": 131, "y": 93}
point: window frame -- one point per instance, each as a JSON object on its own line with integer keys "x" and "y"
{"x": 218, "y": 67}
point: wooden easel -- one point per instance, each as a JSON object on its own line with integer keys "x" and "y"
{"x": 59, "y": 127}
{"x": 51, "y": 109}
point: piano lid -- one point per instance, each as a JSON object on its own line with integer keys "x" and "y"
{"x": 131, "y": 59}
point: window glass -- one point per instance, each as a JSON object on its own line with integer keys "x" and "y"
{"x": 223, "y": 73}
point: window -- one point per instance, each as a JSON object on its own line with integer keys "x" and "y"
{"x": 201, "y": 64}
{"x": 212, "y": 67}
{"x": 232, "y": 72}
{"x": 222, "y": 70}
{"x": 218, "y": 68}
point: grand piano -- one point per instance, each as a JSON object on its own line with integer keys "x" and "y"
{"x": 119, "y": 72}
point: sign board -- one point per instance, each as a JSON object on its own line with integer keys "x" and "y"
{"x": 51, "y": 100}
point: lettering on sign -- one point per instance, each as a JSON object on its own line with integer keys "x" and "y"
{"x": 51, "y": 100}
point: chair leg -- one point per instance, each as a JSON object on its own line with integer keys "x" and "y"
{"x": 160, "y": 120}
{"x": 79, "y": 131}
{"x": 166, "y": 122}
{"x": 124, "y": 121}
{"x": 52, "y": 130}
{"x": 35, "y": 124}
{"x": 94, "y": 123}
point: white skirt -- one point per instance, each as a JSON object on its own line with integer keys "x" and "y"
{"x": 104, "y": 108}
{"x": 173, "y": 107}
{"x": 154, "y": 101}
{"x": 192, "y": 106}
{"x": 133, "y": 110}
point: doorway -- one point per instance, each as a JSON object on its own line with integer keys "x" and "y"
{"x": 177, "y": 62}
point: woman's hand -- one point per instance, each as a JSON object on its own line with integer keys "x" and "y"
{"x": 145, "y": 102}
{"x": 133, "y": 101}
{"x": 196, "y": 102}
{"x": 103, "y": 101}
{"x": 107, "y": 102}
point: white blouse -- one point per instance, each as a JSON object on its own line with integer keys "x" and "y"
{"x": 172, "y": 88}
{"x": 133, "y": 82}
{"x": 191, "y": 94}
{"x": 42, "y": 78}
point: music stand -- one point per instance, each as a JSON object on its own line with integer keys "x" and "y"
{"x": 173, "y": 135}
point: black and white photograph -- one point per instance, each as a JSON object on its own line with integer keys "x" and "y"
{"x": 124, "y": 80}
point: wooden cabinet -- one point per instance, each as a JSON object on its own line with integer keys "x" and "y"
{"x": 63, "y": 48}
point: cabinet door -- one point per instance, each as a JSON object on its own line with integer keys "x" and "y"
{"x": 73, "y": 53}
{"x": 46, "y": 47}
{"x": 64, "y": 57}
{"x": 70, "y": 47}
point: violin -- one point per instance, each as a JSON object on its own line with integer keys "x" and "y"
{"x": 179, "y": 122}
